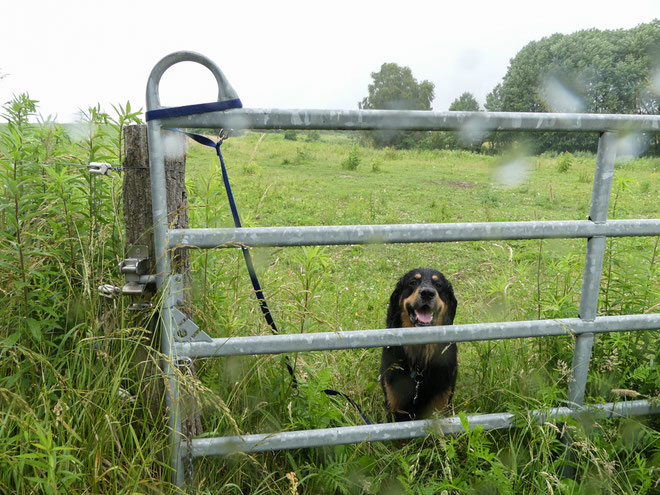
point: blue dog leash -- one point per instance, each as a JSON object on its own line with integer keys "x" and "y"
{"x": 258, "y": 291}
{"x": 221, "y": 106}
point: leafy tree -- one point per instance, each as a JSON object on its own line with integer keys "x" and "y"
{"x": 494, "y": 99}
{"x": 588, "y": 71}
{"x": 395, "y": 88}
{"x": 494, "y": 104}
{"x": 467, "y": 139}
{"x": 465, "y": 103}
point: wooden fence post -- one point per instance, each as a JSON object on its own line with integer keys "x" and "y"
{"x": 137, "y": 194}
{"x": 139, "y": 231}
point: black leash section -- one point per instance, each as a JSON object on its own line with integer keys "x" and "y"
{"x": 329, "y": 391}
{"x": 221, "y": 106}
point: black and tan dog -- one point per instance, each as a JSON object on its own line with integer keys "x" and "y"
{"x": 418, "y": 379}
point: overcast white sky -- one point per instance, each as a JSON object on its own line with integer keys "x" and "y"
{"x": 288, "y": 54}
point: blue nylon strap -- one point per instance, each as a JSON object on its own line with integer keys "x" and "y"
{"x": 216, "y": 106}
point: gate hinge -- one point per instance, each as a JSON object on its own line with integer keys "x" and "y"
{"x": 135, "y": 268}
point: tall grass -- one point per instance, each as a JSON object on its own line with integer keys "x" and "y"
{"x": 73, "y": 413}
{"x": 70, "y": 420}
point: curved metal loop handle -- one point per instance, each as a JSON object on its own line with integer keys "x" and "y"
{"x": 225, "y": 91}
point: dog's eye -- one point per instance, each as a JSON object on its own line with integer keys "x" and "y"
{"x": 414, "y": 282}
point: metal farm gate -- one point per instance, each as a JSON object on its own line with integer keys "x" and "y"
{"x": 179, "y": 346}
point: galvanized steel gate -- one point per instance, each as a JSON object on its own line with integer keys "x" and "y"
{"x": 596, "y": 229}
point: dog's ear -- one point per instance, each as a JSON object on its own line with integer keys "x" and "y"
{"x": 394, "y": 309}
{"x": 448, "y": 318}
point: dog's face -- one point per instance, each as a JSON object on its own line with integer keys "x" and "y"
{"x": 422, "y": 297}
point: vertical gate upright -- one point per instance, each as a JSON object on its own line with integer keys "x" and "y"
{"x": 179, "y": 342}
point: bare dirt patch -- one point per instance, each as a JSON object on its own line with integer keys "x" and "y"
{"x": 455, "y": 183}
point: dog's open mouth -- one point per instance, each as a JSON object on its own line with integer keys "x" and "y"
{"x": 422, "y": 316}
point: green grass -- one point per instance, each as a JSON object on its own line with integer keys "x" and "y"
{"x": 74, "y": 416}
{"x": 305, "y": 184}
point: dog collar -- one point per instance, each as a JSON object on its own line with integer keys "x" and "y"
{"x": 416, "y": 375}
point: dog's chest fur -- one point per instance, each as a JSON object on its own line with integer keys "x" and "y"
{"x": 419, "y": 356}
{"x": 422, "y": 357}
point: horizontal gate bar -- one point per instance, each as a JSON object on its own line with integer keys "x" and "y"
{"x": 202, "y": 447}
{"x": 277, "y": 344}
{"x": 474, "y": 122}
{"x": 427, "y": 232}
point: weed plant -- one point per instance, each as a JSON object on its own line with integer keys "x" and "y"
{"x": 564, "y": 162}
{"x": 353, "y": 160}
{"x": 73, "y": 418}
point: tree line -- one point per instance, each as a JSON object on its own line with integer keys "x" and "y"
{"x": 590, "y": 71}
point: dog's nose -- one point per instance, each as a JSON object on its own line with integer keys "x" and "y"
{"x": 426, "y": 293}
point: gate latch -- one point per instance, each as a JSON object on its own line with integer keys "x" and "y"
{"x": 135, "y": 268}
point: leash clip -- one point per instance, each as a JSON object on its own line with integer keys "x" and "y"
{"x": 222, "y": 135}
{"x": 417, "y": 376}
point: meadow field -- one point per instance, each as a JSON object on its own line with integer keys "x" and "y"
{"x": 307, "y": 182}
{"x": 72, "y": 420}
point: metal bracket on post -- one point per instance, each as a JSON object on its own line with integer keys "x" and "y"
{"x": 187, "y": 331}
{"x": 176, "y": 291}
{"x": 135, "y": 268}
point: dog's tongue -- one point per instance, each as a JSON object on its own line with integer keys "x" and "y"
{"x": 424, "y": 316}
